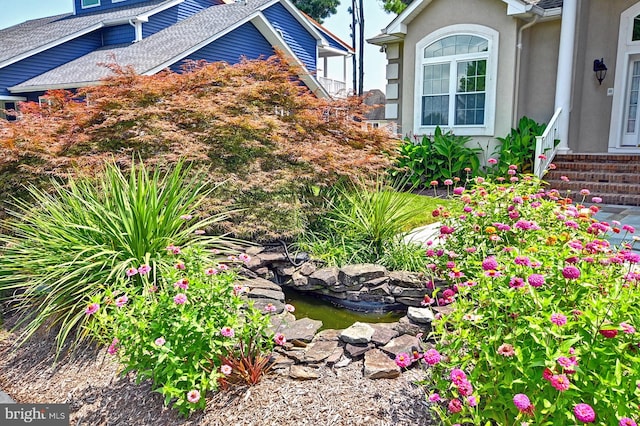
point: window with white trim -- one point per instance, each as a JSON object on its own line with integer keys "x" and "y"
{"x": 89, "y": 3}
{"x": 456, "y": 70}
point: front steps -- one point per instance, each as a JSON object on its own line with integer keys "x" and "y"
{"x": 613, "y": 177}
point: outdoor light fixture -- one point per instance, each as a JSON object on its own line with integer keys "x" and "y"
{"x": 600, "y": 69}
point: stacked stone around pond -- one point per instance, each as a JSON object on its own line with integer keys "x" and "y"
{"x": 360, "y": 287}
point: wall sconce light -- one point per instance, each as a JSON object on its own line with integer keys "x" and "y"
{"x": 383, "y": 48}
{"x": 600, "y": 69}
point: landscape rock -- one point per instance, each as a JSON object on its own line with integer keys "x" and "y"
{"x": 271, "y": 256}
{"x": 301, "y": 372}
{"x": 405, "y": 279}
{"x": 378, "y": 365}
{"x": 261, "y": 283}
{"x": 406, "y": 326}
{"x": 358, "y": 333}
{"x": 443, "y": 310}
{"x": 254, "y": 250}
{"x": 420, "y": 315}
{"x": 336, "y": 356}
{"x": 286, "y": 270}
{"x": 261, "y": 305}
{"x": 357, "y": 274}
{"x": 307, "y": 268}
{"x": 280, "y": 361}
{"x": 409, "y": 292}
{"x": 344, "y": 361}
{"x": 383, "y": 335}
{"x": 356, "y": 351}
{"x": 326, "y": 277}
{"x": 328, "y": 334}
{"x": 320, "y": 350}
{"x": 405, "y": 343}
{"x": 303, "y": 329}
{"x": 262, "y": 293}
{"x": 278, "y": 321}
{"x": 6, "y": 399}
{"x": 410, "y": 301}
{"x": 381, "y": 289}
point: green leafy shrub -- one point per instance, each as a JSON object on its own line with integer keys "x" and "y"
{"x": 544, "y": 312}
{"x": 188, "y": 333}
{"x": 437, "y": 158}
{"x": 69, "y": 246}
{"x": 365, "y": 225}
{"x": 518, "y": 147}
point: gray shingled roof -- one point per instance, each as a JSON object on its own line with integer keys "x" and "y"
{"x": 150, "y": 52}
{"x": 546, "y": 4}
{"x": 36, "y": 33}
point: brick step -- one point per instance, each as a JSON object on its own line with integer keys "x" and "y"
{"x": 592, "y": 166}
{"x": 595, "y": 177}
{"x": 596, "y": 188}
{"x": 598, "y": 158}
{"x": 607, "y": 197}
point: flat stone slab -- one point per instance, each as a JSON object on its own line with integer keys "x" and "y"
{"x": 358, "y": 333}
{"x": 356, "y": 351}
{"x": 329, "y": 334}
{"x": 405, "y": 279}
{"x": 301, "y": 372}
{"x": 325, "y": 277}
{"x": 420, "y": 315}
{"x": 261, "y": 283}
{"x": 320, "y": 350}
{"x": 262, "y": 293}
{"x": 303, "y": 329}
{"x": 261, "y": 305}
{"x": 378, "y": 365}
{"x": 405, "y": 343}
{"x": 336, "y": 356}
{"x": 355, "y": 275}
{"x": 280, "y": 361}
{"x": 5, "y": 398}
{"x": 383, "y": 335}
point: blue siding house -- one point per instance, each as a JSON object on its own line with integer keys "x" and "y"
{"x": 64, "y": 51}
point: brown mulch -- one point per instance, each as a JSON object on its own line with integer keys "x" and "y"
{"x": 98, "y": 395}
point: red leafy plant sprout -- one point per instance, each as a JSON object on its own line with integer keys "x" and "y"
{"x": 544, "y": 310}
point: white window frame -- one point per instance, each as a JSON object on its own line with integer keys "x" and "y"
{"x": 491, "y": 35}
{"x": 82, "y": 5}
{"x": 117, "y": 1}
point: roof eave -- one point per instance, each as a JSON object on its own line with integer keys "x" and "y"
{"x": 381, "y": 39}
{"x": 43, "y": 88}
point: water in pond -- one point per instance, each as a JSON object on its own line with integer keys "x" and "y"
{"x": 333, "y": 316}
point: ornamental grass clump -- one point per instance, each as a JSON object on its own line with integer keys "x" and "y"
{"x": 189, "y": 332}
{"x": 70, "y": 245}
{"x": 544, "y": 313}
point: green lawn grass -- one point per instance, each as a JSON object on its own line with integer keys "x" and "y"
{"x": 426, "y": 205}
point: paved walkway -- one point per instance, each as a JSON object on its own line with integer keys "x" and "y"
{"x": 626, "y": 215}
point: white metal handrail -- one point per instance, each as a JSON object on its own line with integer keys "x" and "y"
{"x": 546, "y": 145}
{"x": 335, "y": 88}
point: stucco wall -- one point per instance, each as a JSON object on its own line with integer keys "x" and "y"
{"x": 538, "y": 69}
{"x": 597, "y": 31}
{"x": 442, "y": 13}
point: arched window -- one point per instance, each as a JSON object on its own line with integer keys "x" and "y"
{"x": 635, "y": 36}
{"x": 456, "y": 72}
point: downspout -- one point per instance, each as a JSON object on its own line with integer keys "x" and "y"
{"x": 564, "y": 78}
{"x": 137, "y": 26}
{"x": 516, "y": 96}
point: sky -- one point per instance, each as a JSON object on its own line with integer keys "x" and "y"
{"x": 16, "y": 11}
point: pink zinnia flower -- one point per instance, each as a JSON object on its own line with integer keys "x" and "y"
{"x": 227, "y": 331}
{"x": 571, "y": 272}
{"x": 472, "y": 401}
{"x": 180, "y": 266}
{"x": 160, "y": 341}
{"x": 626, "y": 421}
{"x": 270, "y": 308}
{"x": 516, "y": 282}
{"x": 566, "y": 363}
{"x": 210, "y": 271}
{"x": 280, "y": 339}
{"x": 455, "y": 406}
{"x": 433, "y": 183}
{"x": 492, "y": 161}
{"x": 180, "y": 299}
{"x": 244, "y": 257}
{"x": 113, "y": 347}
{"x": 458, "y": 190}
{"x": 490, "y": 263}
{"x": 144, "y": 269}
{"x": 182, "y": 284}
{"x": 457, "y": 376}
{"x": 584, "y": 413}
{"x": 585, "y": 192}
{"x": 193, "y": 396}
{"x": 465, "y": 388}
{"x": 558, "y": 319}
{"x": 435, "y": 397}
{"x": 609, "y": 333}
{"x": 448, "y": 182}
{"x": 92, "y": 309}
{"x": 121, "y": 301}
{"x": 596, "y": 200}
{"x": 289, "y": 308}
{"x": 627, "y": 328}
{"x": 535, "y": 280}
{"x": 560, "y": 382}
{"x": 403, "y": 360}
{"x": 131, "y": 272}
{"x": 522, "y": 402}
{"x": 432, "y": 357}
{"x": 506, "y": 350}
{"x": 226, "y": 369}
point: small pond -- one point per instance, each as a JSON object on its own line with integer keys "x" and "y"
{"x": 331, "y": 315}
